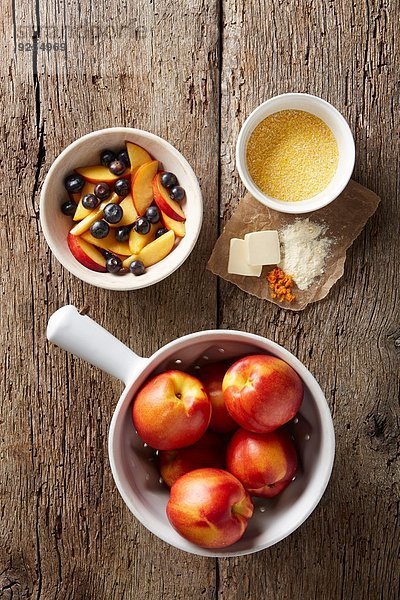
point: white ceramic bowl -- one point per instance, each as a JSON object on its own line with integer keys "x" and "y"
{"x": 133, "y": 464}
{"x": 86, "y": 151}
{"x": 340, "y": 129}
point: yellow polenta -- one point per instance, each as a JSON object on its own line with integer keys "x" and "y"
{"x": 292, "y": 155}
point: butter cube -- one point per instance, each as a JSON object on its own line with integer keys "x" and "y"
{"x": 238, "y": 264}
{"x": 262, "y": 248}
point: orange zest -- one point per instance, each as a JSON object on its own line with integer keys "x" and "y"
{"x": 281, "y": 285}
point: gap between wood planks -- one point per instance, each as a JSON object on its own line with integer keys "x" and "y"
{"x": 218, "y": 284}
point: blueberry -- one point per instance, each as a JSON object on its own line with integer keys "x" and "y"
{"x": 123, "y": 156}
{"x": 153, "y": 214}
{"x": 106, "y": 157}
{"x": 168, "y": 180}
{"x": 74, "y": 183}
{"x": 69, "y": 208}
{"x": 89, "y": 201}
{"x": 122, "y": 234}
{"x": 117, "y": 167}
{"x": 161, "y": 232}
{"x": 142, "y": 225}
{"x": 121, "y": 187}
{"x": 113, "y": 264}
{"x": 177, "y": 193}
{"x": 106, "y": 253}
{"x": 100, "y": 229}
{"x": 113, "y": 213}
{"x": 102, "y": 191}
{"x": 137, "y": 267}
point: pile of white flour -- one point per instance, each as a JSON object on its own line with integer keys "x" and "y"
{"x": 304, "y": 251}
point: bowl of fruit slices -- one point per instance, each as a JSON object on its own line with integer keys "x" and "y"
{"x": 121, "y": 208}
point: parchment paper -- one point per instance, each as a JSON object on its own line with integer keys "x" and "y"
{"x": 344, "y": 218}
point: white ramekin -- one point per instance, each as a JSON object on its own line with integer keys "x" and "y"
{"x": 340, "y": 129}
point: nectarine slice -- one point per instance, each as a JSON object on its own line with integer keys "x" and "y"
{"x": 137, "y": 241}
{"x": 82, "y": 212}
{"x": 142, "y": 191}
{"x": 98, "y": 173}
{"x": 95, "y": 215}
{"x": 127, "y": 261}
{"x": 178, "y": 227}
{"x": 86, "y": 254}
{"x": 130, "y": 215}
{"x": 138, "y": 156}
{"x": 108, "y": 243}
{"x": 153, "y": 252}
{"x": 168, "y": 206}
{"x": 157, "y": 250}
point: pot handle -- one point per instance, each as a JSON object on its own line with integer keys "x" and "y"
{"x": 85, "y": 338}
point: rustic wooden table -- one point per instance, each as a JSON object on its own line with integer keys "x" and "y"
{"x": 191, "y": 71}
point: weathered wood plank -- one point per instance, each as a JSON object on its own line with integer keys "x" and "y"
{"x": 65, "y": 531}
{"x": 348, "y": 54}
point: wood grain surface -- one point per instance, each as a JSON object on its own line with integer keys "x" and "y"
{"x": 191, "y": 72}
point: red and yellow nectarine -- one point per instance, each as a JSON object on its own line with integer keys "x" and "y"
{"x": 262, "y": 392}
{"x": 265, "y": 463}
{"x": 209, "y": 507}
{"x": 172, "y": 410}
{"x": 209, "y": 451}
{"x": 212, "y": 377}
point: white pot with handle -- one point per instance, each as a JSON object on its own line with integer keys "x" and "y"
{"x": 132, "y": 463}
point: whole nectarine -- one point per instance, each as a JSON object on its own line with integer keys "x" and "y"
{"x": 209, "y": 507}
{"x": 262, "y": 392}
{"x": 265, "y": 463}
{"x": 172, "y": 410}
{"x": 209, "y": 451}
{"x": 212, "y": 377}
